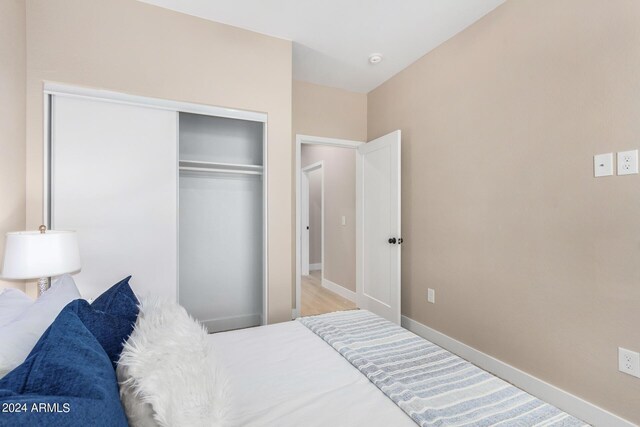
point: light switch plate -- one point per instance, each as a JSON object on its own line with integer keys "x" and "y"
{"x": 431, "y": 296}
{"x": 603, "y": 165}
{"x": 628, "y": 162}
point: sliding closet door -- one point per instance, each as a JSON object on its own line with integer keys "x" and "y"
{"x": 114, "y": 180}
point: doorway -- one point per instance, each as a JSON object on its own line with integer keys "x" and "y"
{"x": 326, "y": 274}
{"x": 327, "y": 185}
{"x": 359, "y": 236}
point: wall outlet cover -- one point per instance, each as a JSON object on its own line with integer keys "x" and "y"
{"x": 628, "y": 162}
{"x": 629, "y": 362}
{"x": 603, "y": 165}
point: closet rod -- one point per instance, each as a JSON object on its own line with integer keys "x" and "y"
{"x": 243, "y": 172}
{"x": 205, "y": 164}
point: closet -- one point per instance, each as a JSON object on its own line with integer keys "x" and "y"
{"x": 171, "y": 193}
{"x": 221, "y": 220}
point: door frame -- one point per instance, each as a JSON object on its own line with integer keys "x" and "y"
{"x": 305, "y": 211}
{"x": 310, "y": 140}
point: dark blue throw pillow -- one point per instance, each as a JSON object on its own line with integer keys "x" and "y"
{"x": 118, "y": 300}
{"x": 110, "y": 330}
{"x": 67, "y": 380}
{"x": 111, "y": 317}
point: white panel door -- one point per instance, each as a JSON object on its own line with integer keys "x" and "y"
{"x": 378, "y": 227}
{"x": 114, "y": 180}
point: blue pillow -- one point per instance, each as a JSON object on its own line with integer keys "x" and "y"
{"x": 67, "y": 380}
{"x": 110, "y": 318}
{"x": 118, "y": 300}
{"x": 110, "y": 330}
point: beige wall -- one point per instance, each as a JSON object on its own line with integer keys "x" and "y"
{"x": 329, "y": 112}
{"x": 332, "y": 113}
{"x": 533, "y": 260}
{"x": 339, "y": 170}
{"x": 12, "y": 121}
{"x": 132, "y": 47}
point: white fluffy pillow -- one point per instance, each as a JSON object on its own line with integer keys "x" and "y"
{"x": 166, "y": 370}
{"x": 12, "y": 303}
{"x": 20, "y": 335}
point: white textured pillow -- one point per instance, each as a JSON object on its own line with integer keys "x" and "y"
{"x": 12, "y": 303}
{"x": 20, "y": 335}
{"x": 166, "y": 371}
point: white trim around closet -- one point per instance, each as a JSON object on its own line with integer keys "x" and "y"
{"x": 265, "y": 218}
{"x": 164, "y": 104}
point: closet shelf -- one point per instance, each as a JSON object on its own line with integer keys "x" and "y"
{"x": 202, "y": 166}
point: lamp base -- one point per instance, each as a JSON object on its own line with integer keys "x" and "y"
{"x": 43, "y": 285}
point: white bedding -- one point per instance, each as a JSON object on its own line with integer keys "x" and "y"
{"x": 285, "y": 375}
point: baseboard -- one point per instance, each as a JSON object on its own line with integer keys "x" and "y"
{"x": 340, "y": 290}
{"x": 566, "y": 401}
{"x": 235, "y": 322}
{"x": 314, "y": 267}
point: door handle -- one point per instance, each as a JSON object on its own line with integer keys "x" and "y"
{"x": 400, "y": 240}
{"x": 392, "y": 240}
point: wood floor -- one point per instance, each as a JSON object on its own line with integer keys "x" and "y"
{"x": 319, "y": 300}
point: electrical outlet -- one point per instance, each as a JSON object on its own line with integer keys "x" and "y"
{"x": 628, "y": 162}
{"x": 431, "y": 296}
{"x": 629, "y": 362}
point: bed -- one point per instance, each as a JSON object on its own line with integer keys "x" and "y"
{"x": 145, "y": 363}
{"x": 285, "y": 375}
{"x": 355, "y": 368}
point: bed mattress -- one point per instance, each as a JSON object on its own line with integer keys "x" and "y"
{"x": 285, "y": 375}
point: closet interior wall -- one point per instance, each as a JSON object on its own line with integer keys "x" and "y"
{"x": 221, "y": 220}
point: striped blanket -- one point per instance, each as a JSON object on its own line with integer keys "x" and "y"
{"x": 434, "y": 387}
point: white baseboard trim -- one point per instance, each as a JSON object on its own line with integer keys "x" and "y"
{"x": 566, "y": 401}
{"x": 235, "y": 322}
{"x": 340, "y": 290}
{"x": 317, "y": 266}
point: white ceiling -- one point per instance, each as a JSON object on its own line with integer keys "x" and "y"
{"x": 332, "y": 39}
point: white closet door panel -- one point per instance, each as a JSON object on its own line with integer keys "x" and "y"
{"x": 114, "y": 180}
{"x": 221, "y": 259}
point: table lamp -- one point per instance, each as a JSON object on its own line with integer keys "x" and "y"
{"x": 40, "y": 255}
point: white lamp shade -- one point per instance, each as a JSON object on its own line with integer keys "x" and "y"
{"x": 32, "y": 255}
